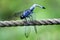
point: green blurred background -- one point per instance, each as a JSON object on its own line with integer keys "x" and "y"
{"x": 50, "y": 32}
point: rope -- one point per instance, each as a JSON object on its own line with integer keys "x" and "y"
{"x": 29, "y": 23}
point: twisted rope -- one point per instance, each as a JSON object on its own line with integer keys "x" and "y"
{"x": 29, "y": 23}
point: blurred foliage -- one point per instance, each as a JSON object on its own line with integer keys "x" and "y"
{"x": 50, "y": 32}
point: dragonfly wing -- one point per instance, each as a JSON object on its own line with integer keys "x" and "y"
{"x": 27, "y": 30}
{"x": 17, "y": 14}
{"x": 31, "y": 19}
{"x": 35, "y": 29}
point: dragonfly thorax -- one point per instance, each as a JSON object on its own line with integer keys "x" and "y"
{"x": 26, "y": 13}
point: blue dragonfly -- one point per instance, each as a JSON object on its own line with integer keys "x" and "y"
{"x": 28, "y": 14}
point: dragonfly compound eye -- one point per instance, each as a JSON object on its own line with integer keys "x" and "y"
{"x": 22, "y": 17}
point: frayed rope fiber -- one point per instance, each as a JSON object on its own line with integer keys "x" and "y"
{"x": 29, "y": 23}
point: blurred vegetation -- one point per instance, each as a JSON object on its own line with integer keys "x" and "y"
{"x": 50, "y": 32}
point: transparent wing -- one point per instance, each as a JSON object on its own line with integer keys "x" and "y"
{"x": 27, "y": 30}
{"x": 17, "y": 14}
{"x": 33, "y": 18}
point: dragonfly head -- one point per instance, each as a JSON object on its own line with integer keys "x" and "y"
{"x": 22, "y": 17}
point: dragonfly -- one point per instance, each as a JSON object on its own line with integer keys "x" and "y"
{"x": 28, "y": 13}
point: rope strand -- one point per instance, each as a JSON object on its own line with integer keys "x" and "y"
{"x": 29, "y": 23}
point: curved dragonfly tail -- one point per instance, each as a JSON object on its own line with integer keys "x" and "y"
{"x": 36, "y": 5}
